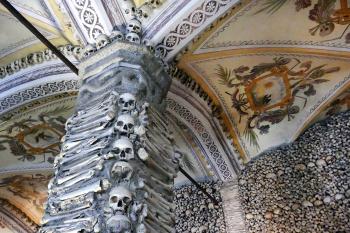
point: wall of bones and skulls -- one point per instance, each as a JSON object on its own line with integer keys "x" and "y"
{"x": 195, "y": 212}
{"x": 304, "y": 186}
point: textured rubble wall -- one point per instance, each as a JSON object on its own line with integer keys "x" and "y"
{"x": 302, "y": 187}
{"x": 196, "y": 213}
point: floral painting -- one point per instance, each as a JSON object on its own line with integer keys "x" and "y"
{"x": 265, "y": 94}
{"x": 35, "y": 139}
{"x": 326, "y": 14}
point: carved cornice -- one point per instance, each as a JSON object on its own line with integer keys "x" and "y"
{"x": 186, "y": 29}
{"x": 37, "y": 58}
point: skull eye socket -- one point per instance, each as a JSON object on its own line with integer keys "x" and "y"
{"x": 114, "y": 199}
{"x": 117, "y": 150}
{"x": 128, "y": 150}
{"x": 131, "y": 102}
{"x": 121, "y": 101}
{"x": 130, "y": 126}
{"x": 119, "y": 123}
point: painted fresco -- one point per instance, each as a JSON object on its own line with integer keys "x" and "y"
{"x": 31, "y": 138}
{"x": 269, "y": 96}
{"x": 28, "y": 192}
{"x": 273, "y": 23}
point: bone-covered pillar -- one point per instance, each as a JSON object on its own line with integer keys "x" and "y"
{"x": 117, "y": 164}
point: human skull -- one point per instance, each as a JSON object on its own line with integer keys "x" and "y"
{"x": 2, "y": 72}
{"x": 118, "y": 224}
{"x": 153, "y": 3}
{"x": 77, "y": 51}
{"x": 116, "y": 35}
{"x": 127, "y": 102}
{"x": 123, "y": 149}
{"x": 15, "y": 65}
{"x": 122, "y": 170}
{"x": 144, "y": 11}
{"x": 128, "y": 7}
{"x": 47, "y": 54}
{"x": 23, "y": 62}
{"x": 119, "y": 199}
{"x": 89, "y": 49}
{"x": 35, "y": 58}
{"x": 125, "y": 125}
{"x": 134, "y": 26}
{"x": 133, "y": 37}
{"x": 102, "y": 41}
{"x": 9, "y": 69}
{"x": 149, "y": 45}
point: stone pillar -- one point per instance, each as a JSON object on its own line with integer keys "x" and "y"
{"x": 232, "y": 208}
{"x": 117, "y": 164}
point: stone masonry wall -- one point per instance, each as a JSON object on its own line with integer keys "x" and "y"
{"x": 302, "y": 187}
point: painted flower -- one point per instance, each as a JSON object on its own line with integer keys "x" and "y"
{"x": 302, "y": 4}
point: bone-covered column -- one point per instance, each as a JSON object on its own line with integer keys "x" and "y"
{"x": 117, "y": 164}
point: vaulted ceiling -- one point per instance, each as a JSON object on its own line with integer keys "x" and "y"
{"x": 253, "y": 75}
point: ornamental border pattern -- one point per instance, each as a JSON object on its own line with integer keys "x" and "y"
{"x": 186, "y": 115}
{"x": 38, "y": 74}
{"x": 193, "y": 21}
{"x": 37, "y": 92}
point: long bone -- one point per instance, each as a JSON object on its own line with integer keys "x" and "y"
{"x": 68, "y": 162}
{"x": 161, "y": 227}
{"x": 93, "y": 123}
{"x": 164, "y": 161}
{"x": 98, "y": 111}
{"x": 109, "y": 97}
{"x": 158, "y": 170}
{"x": 91, "y": 133}
{"x": 102, "y": 107}
{"x": 79, "y": 203}
{"x": 95, "y": 187}
{"x": 160, "y": 143}
{"x": 73, "y": 179}
{"x": 165, "y": 155}
{"x": 161, "y": 196}
{"x": 151, "y": 229}
{"x": 158, "y": 204}
{"x": 164, "y": 198}
{"x": 108, "y": 115}
{"x": 90, "y": 141}
{"x": 98, "y": 144}
{"x": 97, "y": 103}
{"x": 162, "y": 217}
{"x": 95, "y": 162}
{"x": 101, "y": 124}
{"x": 47, "y": 218}
{"x": 163, "y": 212}
{"x": 110, "y": 100}
{"x": 76, "y": 225}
